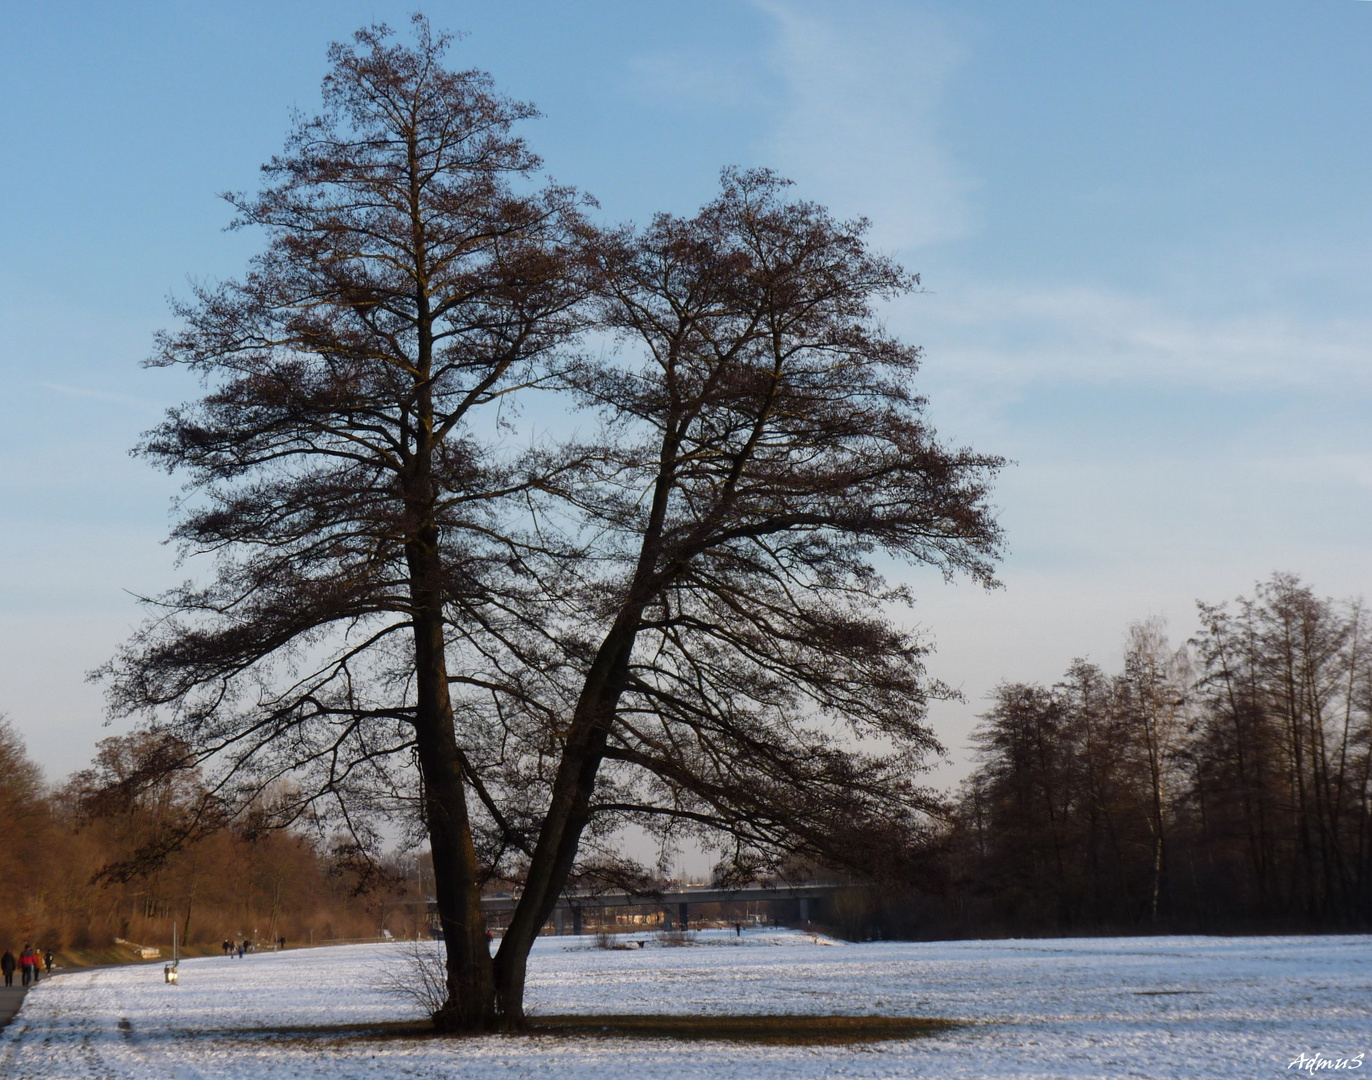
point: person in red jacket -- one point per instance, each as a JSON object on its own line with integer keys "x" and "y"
{"x": 28, "y": 964}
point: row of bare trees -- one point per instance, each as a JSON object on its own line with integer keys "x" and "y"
{"x": 1221, "y": 784}
{"x": 94, "y": 860}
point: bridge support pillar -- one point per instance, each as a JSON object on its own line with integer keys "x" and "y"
{"x": 576, "y": 919}
{"x": 805, "y": 909}
{"x": 559, "y": 919}
{"x": 681, "y": 915}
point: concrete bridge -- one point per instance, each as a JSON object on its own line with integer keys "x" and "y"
{"x": 675, "y": 902}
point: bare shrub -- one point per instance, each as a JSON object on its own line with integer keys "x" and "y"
{"x": 608, "y": 939}
{"x": 418, "y": 970}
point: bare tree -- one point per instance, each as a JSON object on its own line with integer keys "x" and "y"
{"x": 1152, "y": 699}
{"x": 762, "y": 441}
{"x": 388, "y": 583}
{"x": 26, "y": 820}
{"x": 1231, "y": 793}
{"x": 1029, "y": 787}
{"x": 342, "y": 467}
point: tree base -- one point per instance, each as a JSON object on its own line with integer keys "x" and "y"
{"x": 454, "y": 1020}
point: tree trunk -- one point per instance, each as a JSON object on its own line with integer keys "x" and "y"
{"x": 278, "y": 880}
{"x": 568, "y": 814}
{"x": 457, "y": 880}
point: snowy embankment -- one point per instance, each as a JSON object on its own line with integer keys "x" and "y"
{"x": 1178, "y": 1006}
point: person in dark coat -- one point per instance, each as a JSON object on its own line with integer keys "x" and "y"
{"x": 7, "y": 964}
{"x": 47, "y": 962}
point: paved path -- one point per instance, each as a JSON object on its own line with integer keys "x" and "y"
{"x": 11, "y": 997}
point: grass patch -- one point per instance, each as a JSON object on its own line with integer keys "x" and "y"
{"x": 68, "y": 960}
{"x": 384, "y": 1029}
{"x": 783, "y": 1030}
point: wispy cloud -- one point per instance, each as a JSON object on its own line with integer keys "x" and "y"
{"x": 98, "y": 395}
{"x": 1012, "y": 337}
{"x": 860, "y": 125}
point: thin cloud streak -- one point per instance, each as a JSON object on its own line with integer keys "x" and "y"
{"x": 860, "y": 126}
{"x": 99, "y": 395}
{"x": 1017, "y": 337}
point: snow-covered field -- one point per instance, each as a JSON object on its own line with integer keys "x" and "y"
{"x": 1145, "y": 1007}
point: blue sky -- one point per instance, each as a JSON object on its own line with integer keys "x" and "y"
{"x": 1144, "y": 228}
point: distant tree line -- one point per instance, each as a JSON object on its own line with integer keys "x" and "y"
{"x": 99, "y": 857}
{"x": 1223, "y": 785}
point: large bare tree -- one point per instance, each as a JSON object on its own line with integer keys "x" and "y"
{"x": 343, "y": 469}
{"x": 761, "y": 444}
{"x": 680, "y": 621}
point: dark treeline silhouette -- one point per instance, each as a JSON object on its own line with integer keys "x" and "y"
{"x": 102, "y": 857}
{"x": 1223, "y": 785}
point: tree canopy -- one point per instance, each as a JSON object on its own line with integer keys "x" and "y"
{"x": 420, "y": 604}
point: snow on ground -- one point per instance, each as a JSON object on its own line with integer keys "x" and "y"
{"x": 1147, "y": 1007}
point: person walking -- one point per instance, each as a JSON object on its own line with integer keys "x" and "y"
{"x": 228, "y": 946}
{"x": 47, "y": 962}
{"x": 7, "y": 964}
{"x": 27, "y": 960}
